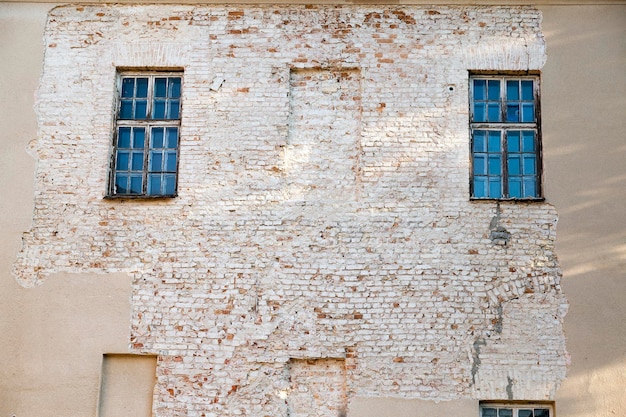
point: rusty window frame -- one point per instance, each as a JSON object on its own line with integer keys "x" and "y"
{"x": 516, "y": 409}
{"x": 149, "y": 124}
{"x": 506, "y": 128}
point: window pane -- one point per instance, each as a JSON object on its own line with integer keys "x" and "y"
{"x": 480, "y": 112}
{"x": 494, "y": 141}
{"x": 480, "y": 143}
{"x": 123, "y": 137}
{"x": 513, "y": 140}
{"x": 525, "y": 413}
{"x": 515, "y": 187}
{"x": 480, "y": 164}
{"x": 156, "y": 161}
{"x": 529, "y": 165}
{"x": 172, "y": 137}
{"x": 512, "y": 90}
{"x": 157, "y": 137}
{"x": 528, "y": 137}
{"x": 159, "y": 109}
{"x": 494, "y": 165}
{"x": 488, "y": 412}
{"x": 173, "y": 109}
{"x": 530, "y": 188}
{"x": 122, "y": 161}
{"x": 142, "y": 87}
{"x": 154, "y": 184}
{"x": 493, "y": 110}
{"x": 495, "y": 188}
{"x": 170, "y": 162}
{"x": 160, "y": 87}
{"x": 505, "y": 412}
{"x": 527, "y": 90}
{"x": 528, "y": 112}
{"x": 121, "y": 183}
{"x": 494, "y": 89}
{"x": 126, "y": 109}
{"x": 128, "y": 87}
{"x": 479, "y": 89}
{"x": 480, "y": 187}
{"x": 137, "y": 161}
{"x": 515, "y": 165}
{"x": 542, "y": 412}
{"x": 512, "y": 112}
{"x": 139, "y": 135}
{"x": 141, "y": 108}
{"x": 135, "y": 185}
{"x": 175, "y": 87}
{"x": 170, "y": 184}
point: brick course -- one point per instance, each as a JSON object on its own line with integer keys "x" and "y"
{"x": 323, "y": 217}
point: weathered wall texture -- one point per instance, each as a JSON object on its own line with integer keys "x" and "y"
{"x": 323, "y": 224}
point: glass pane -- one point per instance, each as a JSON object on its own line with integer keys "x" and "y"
{"x": 530, "y": 189}
{"x": 494, "y": 165}
{"x": 154, "y": 184}
{"x": 142, "y": 87}
{"x": 173, "y": 109}
{"x": 157, "y": 137}
{"x": 515, "y": 165}
{"x": 123, "y": 137}
{"x": 135, "y": 185}
{"x": 528, "y": 137}
{"x": 159, "y": 109}
{"x": 494, "y": 89}
{"x": 480, "y": 143}
{"x": 128, "y": 87}
{"x": 527, "y": 90}
{"x": 480, "y": 112}
{"x": 495, "y": 188}
{"x": 156, "y": 161}
{"x": 175, "y": 87}
{"x": 494, "y": 141}
{"x": 488, "y": 412}
{"x": 529, "y": 165}
{"x": 172, "y": 137}
{"x": 513, "y": 140}
{"x": 141, "y": 108}
{"x": 493, "y": 110}
{"x": 137, "y": 161}
{"x": 542, "y": 412}
{"x": 170, "y": 162}
{"x": 480, "y": 187}
{"x": 512, "y": 90}
{"x": 479, "y": 89}
{"x": 515, "y": 187}
{"x": 528, "y": 112}
{"x": 480, "y": 164}
{"x": 170, "y": 184}
{"x": 160, "y": 87}
{"x": 139, "y": 135}
{"x": 121, "y": 183}
{"x": 512, "y": 112}
{"x": 505, "y": 412}
{"x": 126, "y": 109}
{"x": 121, "y": 164}
{"x": 525, "y": 413}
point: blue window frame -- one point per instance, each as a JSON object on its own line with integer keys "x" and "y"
{"x": 147, "y": 133}
{"x": 505, "y": 137}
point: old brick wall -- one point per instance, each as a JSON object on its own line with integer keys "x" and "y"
{"x": 323, "y": 225}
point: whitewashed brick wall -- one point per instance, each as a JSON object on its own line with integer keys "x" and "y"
{"x": 323, "y": 217}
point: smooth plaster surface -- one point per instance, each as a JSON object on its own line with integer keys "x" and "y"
{"x": 53, "y": 336}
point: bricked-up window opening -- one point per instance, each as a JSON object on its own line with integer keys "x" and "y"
{"x": 147, "y": 130}
{"x": 505, "y": 137}
{"x": 516, "y": 410}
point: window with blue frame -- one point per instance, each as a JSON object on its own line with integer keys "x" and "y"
{"x": 147, "y": 132}
{"x": 505, "y": 137}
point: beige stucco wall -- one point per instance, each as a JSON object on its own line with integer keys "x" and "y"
{"x": 53, "y": 336}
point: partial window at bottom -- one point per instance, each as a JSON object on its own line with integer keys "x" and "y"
{"x": 516, "y": 410}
